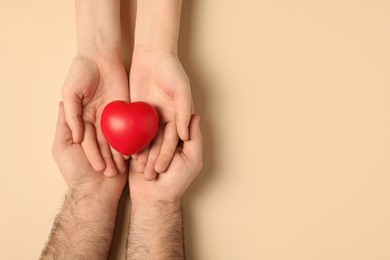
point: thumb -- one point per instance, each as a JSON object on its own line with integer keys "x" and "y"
{"x": 73, "y": 113}
{"x": 193, "y": 148}
{"x": 80, "y": 86}
{"x": 183, "y": 109}
{"x": 63, "y": 134}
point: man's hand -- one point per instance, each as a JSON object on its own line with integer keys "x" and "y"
{"x": 170, "y": 185}
{"x": 156, "y": 219}
{"x": 159, "y": 78}
{"x": 84, "y": 227}
{"x": 75, "y": 167}
{"x": 92, "y": 83}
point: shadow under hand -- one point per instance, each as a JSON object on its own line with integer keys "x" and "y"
{"x": 119, "y": 238}
{"x": 128, "y": 12}
{"x": 202, "y": 92}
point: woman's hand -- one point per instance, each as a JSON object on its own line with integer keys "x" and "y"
{"x": 158, "y": 78}
{"x": 92, "y": 82}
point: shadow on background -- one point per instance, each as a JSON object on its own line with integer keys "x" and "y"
{"x": 201, "y": 92}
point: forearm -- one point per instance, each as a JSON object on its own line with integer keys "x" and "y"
{"x": 83, "y": 229}
{"x": 156, "y": 231}
{"x": 98, "y": 25}
{"x": 157, "y": 24}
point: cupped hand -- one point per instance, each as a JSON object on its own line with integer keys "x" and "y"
{"x": 170, "y": 185}
{"x": 75, "y": 167}
{"x": 92, "y": 82}
{"x": 158, "y": 78}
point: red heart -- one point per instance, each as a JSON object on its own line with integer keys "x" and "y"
{"x": 129, "y": 127}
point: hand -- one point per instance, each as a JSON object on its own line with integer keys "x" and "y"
{"x": 93, "y": 81}
{"x": 74, "y": 166}
{"x": 170, "y": 185}
{"x": 158, "y": 78}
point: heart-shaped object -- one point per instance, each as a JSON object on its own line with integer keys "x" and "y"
{"x": 129, "y": 127}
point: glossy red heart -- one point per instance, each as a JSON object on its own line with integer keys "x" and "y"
{"x": 129, "y": 127}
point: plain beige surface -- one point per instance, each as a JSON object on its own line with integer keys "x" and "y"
{"x": 295, "y": 105}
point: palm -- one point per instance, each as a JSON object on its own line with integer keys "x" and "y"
{"x": 77, "y": 172}
{"x": 170, "y": 185}
{"x": 155, "y": 82}
{"x": 75, "y": 167}
{"x": 70, "y": 157}
{"x": 166, "y": 186}
{"x": 93, "y": 85}
{"x": 110, "y": 87}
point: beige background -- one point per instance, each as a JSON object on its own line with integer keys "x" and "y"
{"x": 295, "y": 101}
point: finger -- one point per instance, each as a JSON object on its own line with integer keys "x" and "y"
{"x": 119, "y": 161}
{"x": 142, "y": 159}
{"x": 73, "y": 113}
{"x": 183, "y": 107}
{"x": 80, "y": 86}
{"x": 91, "y": 148}
{"x": 63, "y": 135}
{"x": 126, "y": 157}
{"x": 168, "y": 147}
{"x": 110, "y": 170}
{"x": 150, "y": 173}
{"x": 134, "y": 156}
{"x": 193, "y": 148}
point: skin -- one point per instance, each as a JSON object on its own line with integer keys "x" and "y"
{"x": 156, "y": 220}
{"x": 158, "y": 77}
{"x": 95, "y": 78}
{"x": 83, "y": 229}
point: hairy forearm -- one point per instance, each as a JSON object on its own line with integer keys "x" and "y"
{"x": 98, "y": 25}
{"x": 157, "y": 24}
{"x": 156, "y": 231}
{"x": 83, "y": 229}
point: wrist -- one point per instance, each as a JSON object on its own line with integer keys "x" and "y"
{"x": 155, "y": 205}
{"x": 157, "y": 25}
{"x": 155, "y": 49}
{"x": 92, "y": 49}
{"x": 96, "y": 60}
{"x": 98, "y": 25}
{"x": 96, "y": 204}
{"x": 156, "y": 231}
{"x": 149, "y": 55}
{"x": 96, "y": 54}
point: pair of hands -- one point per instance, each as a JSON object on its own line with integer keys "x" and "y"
{"x": 81, "y": 151}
